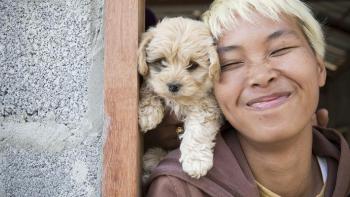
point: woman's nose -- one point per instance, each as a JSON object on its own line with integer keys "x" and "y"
{"x": 261, "y": 75}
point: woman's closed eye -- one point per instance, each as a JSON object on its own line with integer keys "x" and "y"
{"x": 231, "y": 65}
{"x": 282, "y": 51}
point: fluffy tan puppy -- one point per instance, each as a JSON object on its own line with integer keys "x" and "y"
{"x": 179, "y": 63}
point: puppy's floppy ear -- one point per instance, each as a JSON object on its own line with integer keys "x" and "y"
{"x": 214, "y": 67}
{"x": 141, "y": 53}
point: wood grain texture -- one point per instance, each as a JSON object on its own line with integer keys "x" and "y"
{"x": 121, "y": 162}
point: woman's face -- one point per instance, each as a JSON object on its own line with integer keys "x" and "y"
{"x": 269, "y": 84}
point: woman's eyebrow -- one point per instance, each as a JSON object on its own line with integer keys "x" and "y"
{"x": 273, "y": 36}
{"x": 228, "y": 48}
{"x": 281, "y": 33}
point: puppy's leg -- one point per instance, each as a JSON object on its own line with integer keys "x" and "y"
{"x": 197, "y": 147}
{"x": 201, "y": 127}
{"x": 151, "y": 109}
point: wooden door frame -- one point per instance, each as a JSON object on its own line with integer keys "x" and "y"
{"x": 123, "y": 23}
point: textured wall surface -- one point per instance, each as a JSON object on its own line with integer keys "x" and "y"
{"x": 51, "y": 95}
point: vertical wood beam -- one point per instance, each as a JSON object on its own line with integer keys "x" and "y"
{"x": 124, "y": 21}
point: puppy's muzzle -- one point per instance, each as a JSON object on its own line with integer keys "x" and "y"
{"x": 174, "y": 87}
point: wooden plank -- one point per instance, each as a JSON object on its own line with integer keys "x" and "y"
{"x": 121, "y": 162}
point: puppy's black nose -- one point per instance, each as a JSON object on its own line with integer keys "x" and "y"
{"x": 174, "y": 87}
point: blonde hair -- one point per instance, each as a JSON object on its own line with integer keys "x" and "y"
{"x": 222, "y": 15}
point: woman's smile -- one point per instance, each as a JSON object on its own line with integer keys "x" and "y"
{"x": 270, "y": 101}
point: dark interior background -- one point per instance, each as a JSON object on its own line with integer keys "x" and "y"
{"x": 335, "y": 17}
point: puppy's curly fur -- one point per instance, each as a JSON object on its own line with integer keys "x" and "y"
{"x": 179, "y": 63}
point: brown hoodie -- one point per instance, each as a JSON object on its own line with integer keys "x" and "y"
{"x": 231, "y": 175}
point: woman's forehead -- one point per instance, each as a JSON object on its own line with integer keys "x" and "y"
{"x": 261, "y": 27}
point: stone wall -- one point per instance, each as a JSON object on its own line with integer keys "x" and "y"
{"x": 51, "y": 97}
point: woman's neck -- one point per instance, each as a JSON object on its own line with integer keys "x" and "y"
{"x": 286, "y": 168}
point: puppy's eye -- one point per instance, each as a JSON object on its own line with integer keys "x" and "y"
{"x": 158, "y": 64}
{"x": 192, "y": 66}
{"x": 159, "y": 61}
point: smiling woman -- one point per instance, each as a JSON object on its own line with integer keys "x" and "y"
{"x": 272, "y": 67}
{"x": 274, "y": 87}
{"x": 270, "y": 99}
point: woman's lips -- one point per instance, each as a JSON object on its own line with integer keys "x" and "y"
{"x": 270, "y": 101}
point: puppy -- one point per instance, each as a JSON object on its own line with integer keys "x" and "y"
{"x": 179, "y": 63}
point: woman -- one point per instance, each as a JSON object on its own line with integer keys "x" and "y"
{"x": 271, "y": 54}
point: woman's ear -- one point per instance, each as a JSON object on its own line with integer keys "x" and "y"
{"x": 214, "y": 67}
{"x": 322, "y": 71}
{"x": 141, "y": 53}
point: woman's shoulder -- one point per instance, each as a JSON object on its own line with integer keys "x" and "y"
{"x": 331, "y": 145}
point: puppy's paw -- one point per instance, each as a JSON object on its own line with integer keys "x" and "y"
{"x": 198, "y": 164}
{"x": 150, "y": 117}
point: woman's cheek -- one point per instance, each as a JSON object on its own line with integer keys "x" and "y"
{"x": 227, "y": 89}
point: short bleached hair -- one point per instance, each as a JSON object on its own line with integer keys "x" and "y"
{"x": 223, "y": 14}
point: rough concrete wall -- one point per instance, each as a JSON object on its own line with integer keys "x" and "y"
{"x": 51, "y": 95}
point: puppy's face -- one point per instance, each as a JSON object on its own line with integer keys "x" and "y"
{"x": 178, "y": 59}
